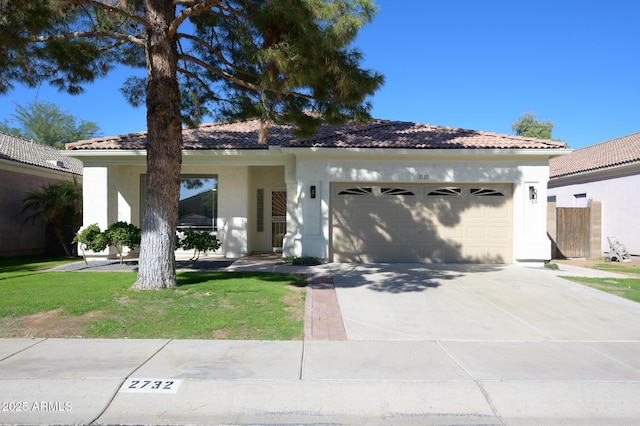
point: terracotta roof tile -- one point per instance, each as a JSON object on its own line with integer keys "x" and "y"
{"x": 374, "y": 134}
{"x": 28, "y": 152}
{"x": 616, "y": 152}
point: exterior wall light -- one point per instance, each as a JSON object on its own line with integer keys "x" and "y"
{"x": 313, "y": 191}
{"x": 533, "y": 194}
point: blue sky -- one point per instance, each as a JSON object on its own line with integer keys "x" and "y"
{"x": 471, "y": 64}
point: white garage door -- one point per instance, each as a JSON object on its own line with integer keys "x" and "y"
{"x": 421, "y": 223}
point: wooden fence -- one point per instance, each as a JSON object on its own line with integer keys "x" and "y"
{"x": 573, "y": 232}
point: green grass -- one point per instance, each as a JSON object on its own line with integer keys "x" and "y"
{"x": 629, "y": 288}
{"x": 206, "y": 305}
{"x": 15, "y": 266}
{"x": 616, "y": 267}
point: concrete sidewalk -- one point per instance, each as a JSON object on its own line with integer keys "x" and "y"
{"x": 59, "y": 381}
{"x": 482, "y": 345}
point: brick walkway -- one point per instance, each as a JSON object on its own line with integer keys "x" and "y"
{"x": 323, "y": 320}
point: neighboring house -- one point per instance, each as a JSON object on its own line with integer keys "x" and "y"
{"x": 26, "y": 166}
{"x": 386, "y": 191}
{"x": 608, "y": 173}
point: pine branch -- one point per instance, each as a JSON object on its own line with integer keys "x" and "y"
{"x": 242, "y": 83}
{"x": 90, "y": 34}
{"x": 204, "y": 85}
{"x": 195, "y": 8}
{"x": 214, "y": 52}
{"x": 111, "y": 9}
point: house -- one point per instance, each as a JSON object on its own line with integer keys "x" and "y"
{"x": 385, "y": 191}
{"x": 26, "y": 166}
{"x": 607, "y": 173}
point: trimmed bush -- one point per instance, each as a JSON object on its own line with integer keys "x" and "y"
{"x": 118, "y": 235}
{"x": 123, "y": 234}
{"x": 198, "y": 241}
{"x": 90, "y": 238}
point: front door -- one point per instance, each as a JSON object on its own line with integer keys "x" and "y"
{"x": 278, "y": 219}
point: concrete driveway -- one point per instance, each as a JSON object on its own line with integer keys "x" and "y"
{"x": 494, "y": 303}
{"x": 538, "y": 348}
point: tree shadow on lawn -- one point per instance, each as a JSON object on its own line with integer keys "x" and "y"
{"x": 13, "y": 267}
{"x": 206, "y": 265}
{"x": 185, "y": 278}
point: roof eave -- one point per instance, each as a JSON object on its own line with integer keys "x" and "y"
{"x": 17, "y": 164}
{"x": 596, "y": 170}
{"x": 78, "y": 153}
{"x": 546, "y": 152}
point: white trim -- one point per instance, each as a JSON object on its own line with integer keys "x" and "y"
{"x": 454, "y": 152}
{"x": 35, "y": 170}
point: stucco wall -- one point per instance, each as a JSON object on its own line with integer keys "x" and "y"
{"x": 17, "y": 237}
{"x": 115, "y": 194}
{"x": 529, "y": 218}
{"x": 530, "y": 240}
{"x": 620, "y": 204}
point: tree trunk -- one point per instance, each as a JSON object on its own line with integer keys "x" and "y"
{"x": 60, "y": 238}
{"x": 164, "y": 156}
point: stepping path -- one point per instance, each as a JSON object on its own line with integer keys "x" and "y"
{"x": 323, "y": 320}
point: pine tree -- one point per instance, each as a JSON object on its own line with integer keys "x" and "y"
{"x": 275, "y": 59}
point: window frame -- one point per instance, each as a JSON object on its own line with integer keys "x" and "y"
{"x": 214, "y": 208}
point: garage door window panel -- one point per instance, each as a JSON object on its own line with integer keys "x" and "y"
{"x": 486, "y": 192}
{"x": 357, "y": 191}
{"x": 445, "y": 192}
{"x": 396, "y": 191}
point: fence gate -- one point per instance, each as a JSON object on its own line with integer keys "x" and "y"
{"x": 572, "y": 227}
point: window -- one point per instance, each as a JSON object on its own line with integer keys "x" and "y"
{"x": 260, "y": 210}
{"x": 198, "y": 204}
{"x": 357, "y": 191}
{"x": 580, "y": 200}
{"x": 446, "y": 192}
{"x": 396, "y": 191}
{"x": 486, "y": 192}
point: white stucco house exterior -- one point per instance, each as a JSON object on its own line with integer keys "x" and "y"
{"x": 608, "y": 172}
{"x": 385, "y": 191}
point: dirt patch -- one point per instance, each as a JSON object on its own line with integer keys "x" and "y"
{"x": 293, "y": 299}
{"x": 47, "y": 324}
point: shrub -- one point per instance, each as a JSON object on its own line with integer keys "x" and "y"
{"x": 304, "y": 260}
{"x": 123, "y": 234}
{"x": 118, "y": 235}
{"x": 90, "y": 238}
{"x": 198, "y": 241}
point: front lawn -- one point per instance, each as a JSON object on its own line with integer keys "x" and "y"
{"x": 624, "y": 268}
{"x": 206, "y": 305}
{"x": 629, "y": 288}
{"x": 12, "y": 266}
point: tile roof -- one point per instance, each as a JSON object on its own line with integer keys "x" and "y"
{"x": 616, "y": 152}
{"x": 374, "y": 134}
{"x": 29, "y": 152}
